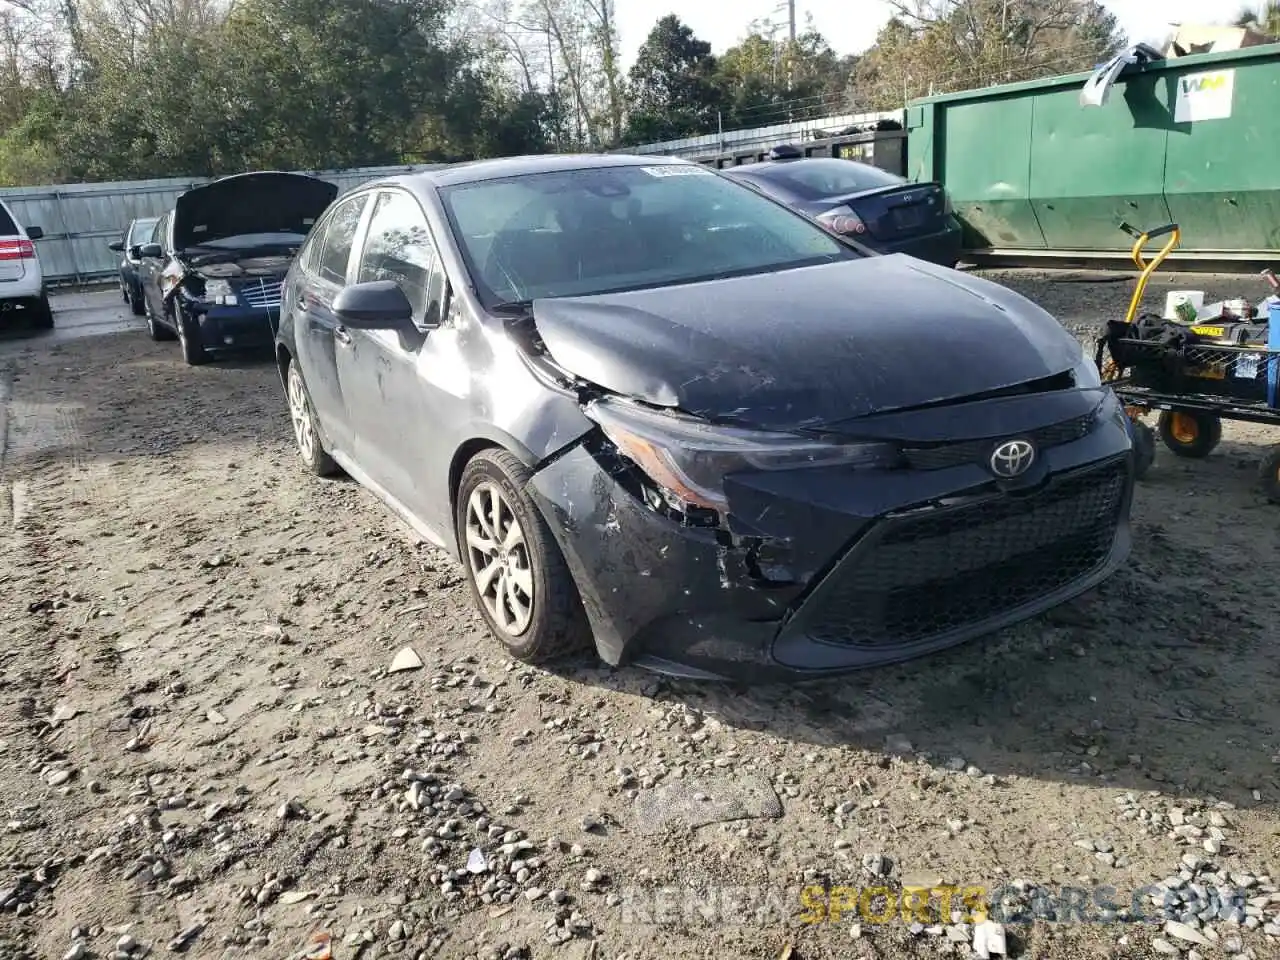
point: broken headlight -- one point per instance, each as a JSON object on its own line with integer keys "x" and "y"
{"x": 688, "y": 458}
{"x": 219, "y": 292}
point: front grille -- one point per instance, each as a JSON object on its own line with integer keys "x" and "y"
{"x": 935, "y": 570}
{"x": 976, "y": 451}
{"x": 261, "y": 293}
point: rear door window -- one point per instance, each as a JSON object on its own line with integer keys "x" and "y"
{"x": 7, "y": 227}
{"x": 339, "y": 237}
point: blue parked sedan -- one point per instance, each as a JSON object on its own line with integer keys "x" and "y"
{"x": 879, "y": 209}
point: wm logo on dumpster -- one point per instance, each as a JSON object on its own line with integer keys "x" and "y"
{"x": 1204, "y": 82}
{"x": 1204, "y": 96}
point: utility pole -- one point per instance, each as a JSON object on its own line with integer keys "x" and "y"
{"x": 791, "y": 18}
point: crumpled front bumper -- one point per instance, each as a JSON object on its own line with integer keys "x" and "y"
{"x": 829, "y": 570}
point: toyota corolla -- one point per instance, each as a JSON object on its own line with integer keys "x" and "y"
{"x": 650, "y": 410}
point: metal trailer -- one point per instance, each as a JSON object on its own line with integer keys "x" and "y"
{"x": 1191, "y": 384}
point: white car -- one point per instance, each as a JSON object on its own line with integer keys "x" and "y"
{"x": 23, "y": 297}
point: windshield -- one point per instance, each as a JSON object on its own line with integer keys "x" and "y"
{"x": 820, "y": 178}
{"x": 582, "y": 232}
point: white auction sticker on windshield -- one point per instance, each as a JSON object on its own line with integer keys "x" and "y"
{"x": 675, "y": 170}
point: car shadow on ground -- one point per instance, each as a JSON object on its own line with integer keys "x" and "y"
{"x": 1161, "y": 678}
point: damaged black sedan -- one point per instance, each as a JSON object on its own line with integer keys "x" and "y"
{"x": 212, "y": 270}
{"x": 648, "y": 408}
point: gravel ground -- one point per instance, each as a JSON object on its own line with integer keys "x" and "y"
{"x": 213, "y": 741}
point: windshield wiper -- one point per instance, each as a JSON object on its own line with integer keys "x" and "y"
{"x": 516, "y": 307}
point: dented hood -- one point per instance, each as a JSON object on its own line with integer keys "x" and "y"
{"x": 810, "y": 346}
{"x": 249, "y": 203}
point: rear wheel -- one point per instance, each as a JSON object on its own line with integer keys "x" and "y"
{"x": 1189, "y": 433}
{"x": 305, "y": 431}
{"x": 1269, "y": 472}
{"x": 44, "y": 313}
{"x": 518, "y": 577}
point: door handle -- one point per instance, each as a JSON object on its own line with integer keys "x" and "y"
{"x": 340, "y": 334}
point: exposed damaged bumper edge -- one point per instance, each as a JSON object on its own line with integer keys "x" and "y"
{"x": 640, "y": 575}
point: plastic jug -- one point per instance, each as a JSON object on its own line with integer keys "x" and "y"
{"x": 1273, "y": 355}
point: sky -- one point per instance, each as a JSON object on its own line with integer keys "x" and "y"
{"x": 850, "y": 26}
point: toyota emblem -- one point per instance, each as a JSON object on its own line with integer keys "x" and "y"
{"x": 1012, "y": 459}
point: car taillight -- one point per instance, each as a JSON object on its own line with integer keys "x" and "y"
{"x": 842, "y": 220}
{"x": 17, "y": 250}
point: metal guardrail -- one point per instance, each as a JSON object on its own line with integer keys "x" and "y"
{"x": 763, "y": 137}
{"x": 80, "y": 219}
{"x": 886, "y": 149}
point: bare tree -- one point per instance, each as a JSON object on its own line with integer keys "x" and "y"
{"x": 605, "y": 35}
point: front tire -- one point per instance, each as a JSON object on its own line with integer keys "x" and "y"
{"x": 1144, "y": 449}
{"x": 193, "y": 351}
{"x": 155, "y": 329}
{"x": 518, "y": 577}
{"x": 137, "y": 303}
{"x": 306, "y": 433}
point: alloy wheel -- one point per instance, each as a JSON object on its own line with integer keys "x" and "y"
{"x": 300, "y": 413}
{"x": 499, "y": 559}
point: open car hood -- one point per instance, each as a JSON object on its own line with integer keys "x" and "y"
{"x": 808, "y": 347}
{"x": 246, "y": 203}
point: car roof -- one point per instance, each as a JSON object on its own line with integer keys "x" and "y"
{"x": 768, "y": 166}
{"x": 473, "y": 171}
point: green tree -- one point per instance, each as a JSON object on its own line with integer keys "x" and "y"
{"x": 1265, "y": 19}
{"x": 946, "y": 45}
{"x": 779, "y": 82}
{"x": 672, "y": 85}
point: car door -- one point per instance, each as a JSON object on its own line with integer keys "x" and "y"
{"x": 149, "y": 267}
{"x": 405, "y": 390}
{"x": 318, "y": 335}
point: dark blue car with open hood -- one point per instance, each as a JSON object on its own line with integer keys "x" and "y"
{"x": 211, "y": 275}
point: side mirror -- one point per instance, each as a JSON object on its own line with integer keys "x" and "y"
{"x": 149, "y": 250}
{"x": 376, "y": 305}
{"x": 34, "y": 233}
{"x": 116, "y": 245}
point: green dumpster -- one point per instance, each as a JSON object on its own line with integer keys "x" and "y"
{"x": 1030, "y": 171}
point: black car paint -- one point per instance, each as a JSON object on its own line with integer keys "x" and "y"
{"x": 723, "y": 350}
{"x": 202, "y": 230}
{"x": 941, "y": 242}
{"x": 673, "y": 596}
{"x": 267, "y": 201}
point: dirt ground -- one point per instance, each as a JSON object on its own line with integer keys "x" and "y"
{"x": 204, "y": 749}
